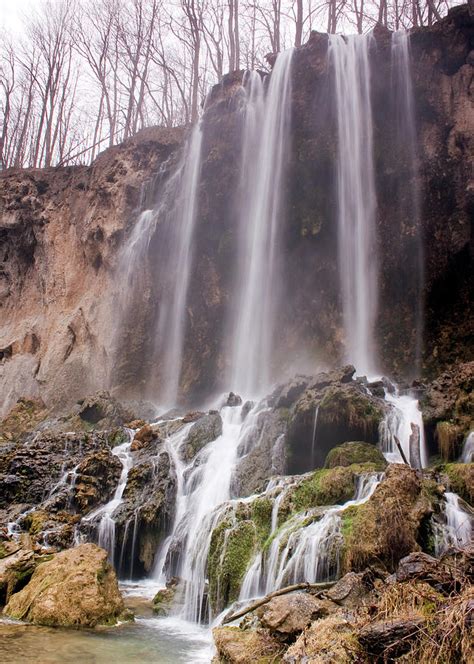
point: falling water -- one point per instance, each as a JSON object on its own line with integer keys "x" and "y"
{"x": 407, "y": 193}
{"x": 171, "y": 223}
{"x": 456, "y": 526}
{"x": 312, "y": 553}
{"x": 398, "y": 424}
{"x": 356, "y": 196}
{"x": 468, "y": 449}
{"x": 104, "y": 514}
{"x": 265, "y": 144}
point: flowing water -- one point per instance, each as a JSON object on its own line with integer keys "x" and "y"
{"x": 356, "y": 196}
{"x": 468, "y": 449}
{"x": 172, "y": 222}
{"x": 455, "y": 527}
{"x": 104, "y": 514}
{"x": 265, "y": 145}
{"x": 407, "y": 193}
{"x": 398, "y": 424}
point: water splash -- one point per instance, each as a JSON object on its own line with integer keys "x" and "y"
{"x": 356, "y": 196}
{"x": 265, "y": 145}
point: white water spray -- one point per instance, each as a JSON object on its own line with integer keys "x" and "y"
{"x": 266, "y": 135}
{"x": 356, "y": 196}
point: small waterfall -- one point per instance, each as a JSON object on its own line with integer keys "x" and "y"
{"x": 203, "y": 491}
{"x": 170, "y": 227}
{"x": 455, "y": 527}
{"x": 356, "y": 196}
{"x": 265, "y": 144}
{"x": 104, "y": 514}
{"x": 407, "y": 193}
{"x": 398, "y": 424}
{"x": 307, "y": 547}
{"x": 468, "y": 449}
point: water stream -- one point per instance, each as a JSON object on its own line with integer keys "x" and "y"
{"x": 265, "y": 145}
{"x": 356, "y": 198}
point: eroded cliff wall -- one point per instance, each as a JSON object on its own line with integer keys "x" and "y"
{"x": 62, "y": 231}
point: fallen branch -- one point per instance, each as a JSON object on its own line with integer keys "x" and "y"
{"x": 283, "y": 591}
{"x": 400, "y": 449}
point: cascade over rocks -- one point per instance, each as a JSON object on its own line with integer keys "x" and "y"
{"x": 205, "y": 430}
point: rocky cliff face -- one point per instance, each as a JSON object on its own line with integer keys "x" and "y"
{"x": 62, "y": 231}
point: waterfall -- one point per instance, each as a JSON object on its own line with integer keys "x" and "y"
{"x": 456, "y": 526}
{"x": 398, "y": 424}
{"x": 163, "y": 238}
{"x": 356, "y": 196}
{"x": 265, "y": 145}
{"x": 468, "y": 449}
{"x": 104, "y": 514}
{"x": 203, "y": 491}
{"x": 406, "y": 193}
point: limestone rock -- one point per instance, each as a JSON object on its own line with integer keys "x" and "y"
{"x": 77, "y": 588}
{"x": 96, "y": 480}
{"x": 392, "y": 638}
{"x": 289, "y": 615}
{"x": 204, "y": 431}
{"x": 16, "y": 570}
{"x": 351, "y": 590}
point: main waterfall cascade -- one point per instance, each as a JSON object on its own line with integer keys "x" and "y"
{"x": 307, "y": 545}
{"x": 265, "y": 145}
{"x": 356, "y": 197}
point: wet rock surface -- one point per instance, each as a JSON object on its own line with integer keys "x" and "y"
{"x": 77, "y": 588}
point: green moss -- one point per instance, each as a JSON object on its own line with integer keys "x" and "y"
{"x": 355, "y": 452}
{"x": 261, "y": 514}
{"x": 117, "y": 437}
{"x": 450, "y": 439}
{"x": 231, "y": 549}
{"x": 329, "y": 486}
{"x": 461, "y": 479}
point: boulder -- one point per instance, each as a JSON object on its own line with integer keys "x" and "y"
{"x": 390, "y": 638}
{"x": 351, "y": 590}
{"x": 233, "y": 400}
{"x": 163, "y": 600}
{"x": 16, "y": 569}
{"x": 288, "y": 615}
{"x": 144, "y": 437}
{"x": 77, "y": 588}
{"x": 238, "y": 646}
{"x": 355, "y": 452}
{"x": 204, "y": 431}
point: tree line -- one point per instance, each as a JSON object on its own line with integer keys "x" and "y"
{"x": 85, "y": 75}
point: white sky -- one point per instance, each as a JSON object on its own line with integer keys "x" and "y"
{"x": 11, "y": 12}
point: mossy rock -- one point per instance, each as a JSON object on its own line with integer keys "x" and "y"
{"x": 388, "y": 526}
{"x": 327, "y": 486}
{"x": 163, "y": 600}
{"x": 355, "y": 452}
{"x": 77, "y": 588}
{"x": 461, "y": 479}
{"x": 261, "y": 515}
{"x": 450, "y": 439}
{"x": 22, "y": 419}
{"x": 230, "y": 552}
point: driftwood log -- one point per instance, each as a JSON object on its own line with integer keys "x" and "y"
{"x": 400, "y": 449}
{"x": 283, "y": 591}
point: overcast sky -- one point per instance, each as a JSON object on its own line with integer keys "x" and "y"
{"x": 11, "y": 12}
